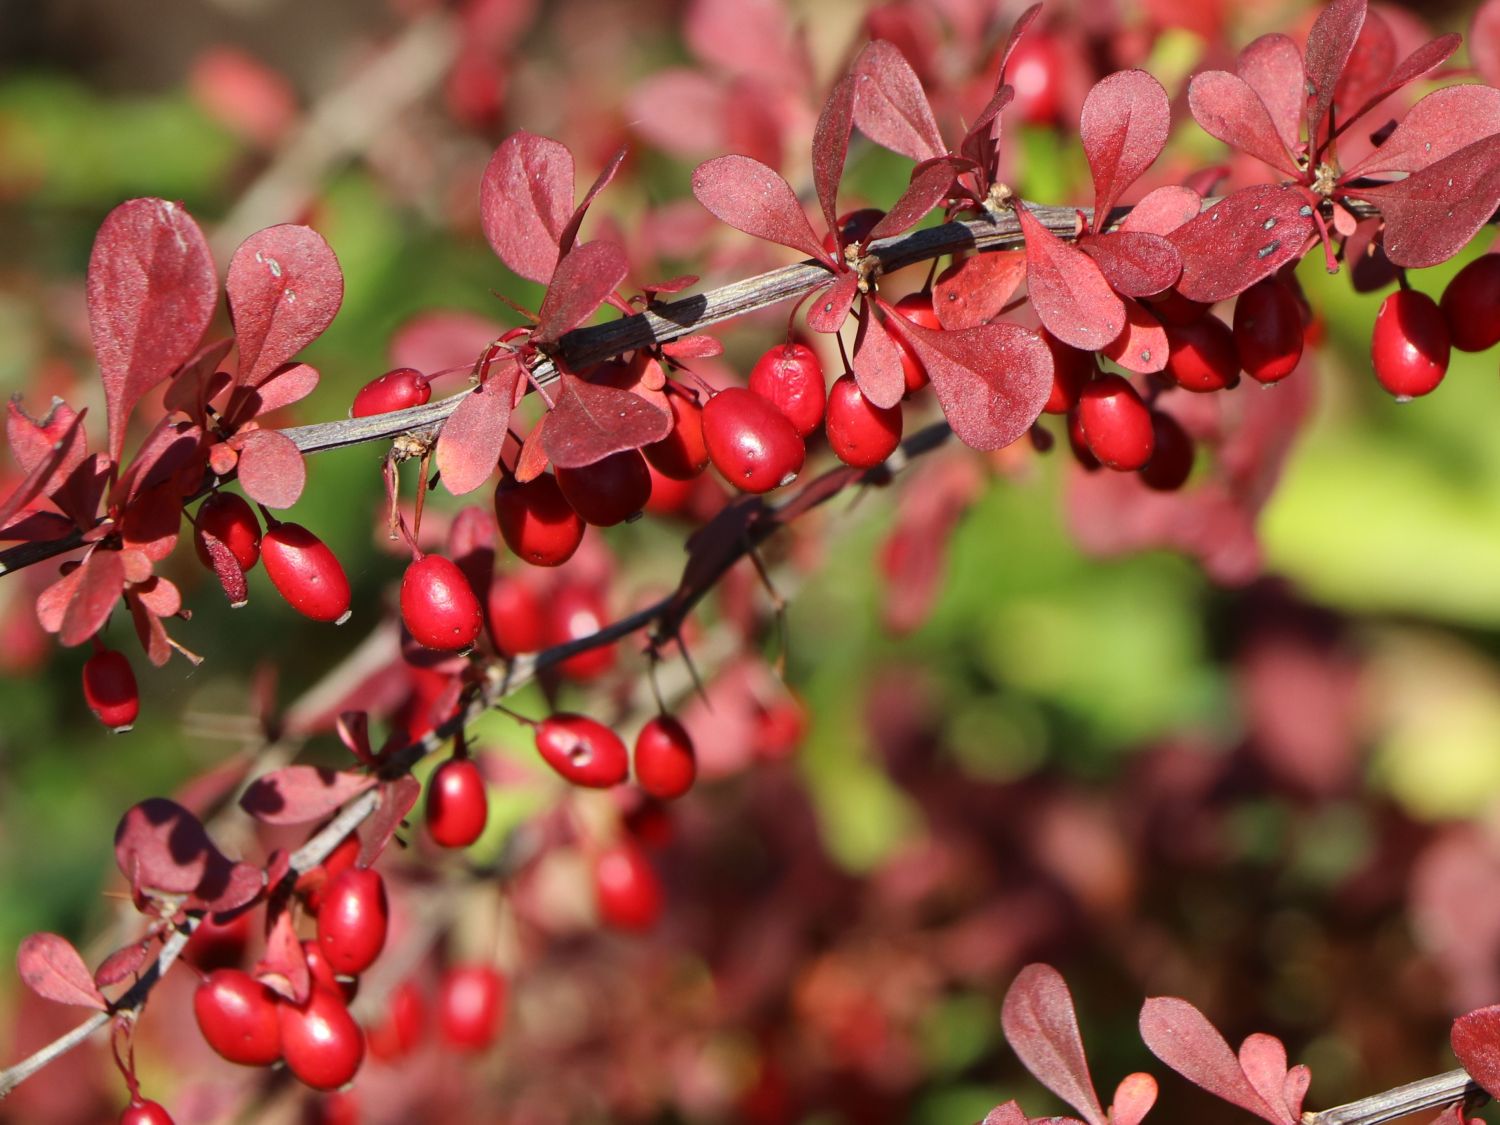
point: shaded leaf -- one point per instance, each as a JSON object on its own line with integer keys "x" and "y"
{"x": 1227, "y": 108}
{"x": 1369, "y": 65}
{"x": 877, "y": 363}
{"x": 122, "y": 963}
{"x": 161, "y": 846}
{"x": 151, "y": 524}
{"x": 397, "y": 798}
{"x": 226, "y": 886}
{"x": 890, "y": 106}
{"x": 47, "y": 451}
{"x": 299, "y": 794}
{"x": 929, "y": 187}
{"x": 1426, "y": 58}
{"x": 1042, "y": 1029}
{"x": 226, "y": 568}
{"x": 583, "y": 281}
{"x": 1181, "y": 1036}
{"x": 1272, "y": 67}
{"x": 1238, "y": 241}
{"x": 1067, "y": 289}
{"x": 284, "y": 288}
{"x": 978, "y": 144}
{"x": 289, "y": 383}
{"x": 1476, "y": 1042}
{"x": 606, "y": 174}
{"x": 200, "y": 380}
{"x": 271, "y": 468}
{"x": 1163, "y": 210}
{"x": 283, "y": 968}
{"x": 469, "y": 445}
{"x": 752, "y": 198}
{"x": 830, "y": 148}
{"x": 590, "y": 422}
{"x": 1134, "y": 263}
{"x": 1439, "y": 125}
{"x": 830, "y": 307}
{"x": 52, "y": 968}
{"x": 1432, "y": 214}
{"x": 1143, "y": 346}
{"x": 1124, "y": 126}
{"x": 1329, "y": 45}
{"x": 526, "y": 203}
{"x": 974, "y": 290}
{"x": 101, "y": 580}
{"x": 693, "y": 347}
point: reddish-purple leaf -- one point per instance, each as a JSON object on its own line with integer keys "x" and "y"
{"x": 1134, "y": 1097}
{"x": 469, "y": 445}
{"x": 101, "y": 580}
{"x": 1227, "y": 108}
{"x": 890, "y": 106}
{"x": 226, "y": 886}
{"x": 289, "y": 383}
{"x": 1369, "y": 65}
{"x": 161, "y": 846}
{"x": 974, "y": 290}
{"x": 1484, "y": 42}
{"x": 1428, "y": 57}
{"x": 353, "y": 729}
{"x": 122, "y": 963}
{"x": 671, "y": 285}
{"x": 1439, "y": 125}
{"x": 929, "y": 187}
{"x": 589, "y": 422}
{"x": 830, "y": 148}
{"x": 753, "y": 198}
{"x": 1068, "y": 291}
{"x": 152, "y": 521}
{"x": 1294, "y": 1090}
{"x": 1181, "y": 1036}
{"x": 606, "y": 174}
{"x": 1272, "y": 67}
{"x": 226, "y": 567}
{"x": 149, "y": 631}
{"x": 1241, "y": 239}
{"x": 1432, "y": 214}
{"x": 284, "y": 288}
{"x": 531, "y": 462}
{"x": 271, "y": 468}
{"x": 526, "y": 203}
{"x": 151, "y": 293}
{"x": 1163, "y": 210}
{"x": 1042, "y": 1029}
{"x": 173, "y": 449}
{"x": 1263, "y": 1060}
{"x": 1329, "y": 45}
{"x": 47, "y": 451}
{"x": 583, "y": 281}
{"x": 991, "y": 381}
{"x": 830, "y": 307}
{"x": 1124, "y": 126}
{"x": 199, "y": 381}
{"x": 396, "y": 800}
{"x": 53, "y": 602}
{"x": 1134, "y": 263}
{"x": 52, "y": 968}
{"x": 978, "y": 144}
{"x": 283, "y": 969}
{"x": 693, "y": 347}
{"x": 1007, "y": 1114}
{"x": 1142, "y": 346}
{"x": 1476, "y": 1042}
{"x": 299, "y": 794}
{"x": 877, "y": 363}
{"x": 160, "y": 596}
{"x": 745, "y": 37}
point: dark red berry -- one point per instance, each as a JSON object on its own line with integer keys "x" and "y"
{"x": 585, "y": 752}
{"x": 1268, "y": 332}
{"x": 322, "y": 1044}
{"x": 917, "y": 308}
{"x": 143, "y": 1112}
{"x": 537, "y": 521}
{"x": 1116, "y": 424}
{"x": 682, "y": 454}
{"x": 1071, "y": 369}
{"x": 237, "y": 1015}
{"x": 516, "y": 620}
{"x": 854, "y": 226}
{"x": 669, "y": 496}
{"x": 395, "y": 390}
{"x": 110, "y": 690}
{"x": 230, "y": 520}
{"x": 1471, "y": 305}
{"x": 860, "y": 433}
{"x": 1079, "y": 444}
{"x": 457, "y": 805}
{"x": 471, "y": 1006}
{"x": 1172, "y": 307}
{"x": 665, "y": 765}
{"x": 626, "y": 888}
{"x": 1409, "y": 347}
{"x": 400, "y": 1029}
{"x": 306, "y": 573}
{"x": 438, "y": 606}
{"x": 1171, "y": 456}
{"x": 1201, "y": 355}
{"x": 752, "y": 444}
{"x": 790, "y": 377}
{"x": 608, "y": 491}
{"x": 573, "y": 613}
{"x": 216, "y": 944}
{"x": 352, "y": 920}
{"x": 322, "y": 975}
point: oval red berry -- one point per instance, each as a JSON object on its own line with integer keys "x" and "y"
{"x": 438, "y": 606}
{"x": 352, "y": 920}
{"x": 457, "y": 805}
{"x": 751, "y": 443}
{"x": 306, "y": 573}
{"x": 237, "y": 1015}
{"x": 537, "y": 522}
{"x": 665, "y": 764}
{"x": 110, "y": 690}
{"x": 322, "y": 1044}
{"x": 585, "y": 752}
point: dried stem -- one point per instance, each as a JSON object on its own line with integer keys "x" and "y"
{"x": 1437, "y": 1092}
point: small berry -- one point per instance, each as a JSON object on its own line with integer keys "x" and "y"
{"x": 352, "y": 920}
{"x": 400, "y": 1029}
{"x": 230, "y": 520}
{"x": 626, "y": 889}
{"x": 395, "y": 390}
{"x": 218, "y": 945}
{"x": 110, "y": 690}
{"x": 438, "y": 606}
{"x": 608, "y": 491}
{"x": 322, "y": 1044}
{"x": 144, "y": 1112}
{"x": 1268, "y": 331}
{"x": 573, "y": 613}
{"x": 752, "y": 444}
{"x": 1171, "y": 456}
{"x": 1079, "y": 444}
{"x": 1201, "y": 355}
{"x": 457, "y": 805}
{"x": 322, "y": 975}
{"x": 1471, "y": 305}
{"x": 1409, "y": 347}
{"x": 1172, "y": 307}
{"x": 537, "y": 521}
{"x": 306, "y": 573}
{"x": 1116, "y": 424}
{"x": 515, "y": 616}
{"x": 682, "y": 454}
{"x": 237, "y": 1015}
{"x": 790, "y": 377}
{"x": 917, "y": 308}
{"x": 1071, "y": 369}
{"x": 665, "y": 765}
{"x": 471, "y": 1006}
{"x": 860, "y": 433}
{"x": 585, "y": 752}
{"x": 1035, "y": 72}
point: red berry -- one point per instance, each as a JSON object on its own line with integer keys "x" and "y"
{"x": 1079, "y": 444}
{"x": 860, "y": 433}
{"x": 323, "y": 976}
{"x": 352, "y": 920}
{"x": 779, "y": 728}
{"x": 1171, "y": 456}
{"x": 573, "y": 613}
{"x": 608, "y": 491}
{"x": 110, "y": 691}
{"x": 682, "y": 454}
{"x": 515, "y": 616}
{"x": 917, "y": 308}
{"x": 626, "y": 888}
{"x": 438, "y": 606}
{"x": 752, "y": 444}
{"x": 665, "y": 765}
{"x": 237, "y": 1015}
{"x": 143, "y": 1112}
{"x": 669, "y": 496}
{"x": 1268, "y": 331}
{"x": 306, "y": 573}
{"x": 585, "y": 752}
{"x": 1034, "y": 71}
{"x": 1471, "y": 305}
{"x": 1172, "y": 307}
{"x": 537, "y": 521}
{"x": 341, "y": 859}
{"x": 218, "y": 945}
{"x": 1409, "y": 347}
{"x": 230, "y": 520}
{"x": 457, "y": 805}
{"x": 400, "y": 1029}
{"x": 1071, "y": 369}
{"x": 395, "y": 390}
{"x": 790, "y": 377}
{"x": 1201, "y": 355}
{"x": 322, "y": 1044}
{"x": 471, "y": 1006}
{"x": 855, "y": 226}
{"x": 1116, "y": 424}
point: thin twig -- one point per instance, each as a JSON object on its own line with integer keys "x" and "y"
{"x": 1427, "y": 1093}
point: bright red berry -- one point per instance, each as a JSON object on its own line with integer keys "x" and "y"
{"x": 1201, "y": 355}
{"x": 352, "y": 920}
{"x": 537, "y": 521}
{"x": 322, "y": 1044}
{"x": 400, "y": 1029}
{"x": 1268, "y": 331}
{"x": 682, "y": 454}
{"x": 669, "y": 496}
{"x": 1035, "y": 72}
{"x": 790, "y": 377}
{"x": 1116, "y": 424}
{"x": 110, "y": 690}
{"x": 859, "y": 432}
{"x": 471, "y": 1006}
{"x": 1079, "y": 444}
{"x": 457, "y": 805}
{"x": 1471, "y": 305}
{"x": 438, "y": 606}
{"x": 143, "y": 1112}
{"x": 1409, "y": 348}
{"x": 237, "y": 1015}
{"x": 665, "y": 765}
{"x": 1172, "y": 307}
{"x": 395, "y": 390}
{"x": 626, "y": 888}
{"x": 917, "y": 308}
{"x": 585, "y": 752}
{"x": 306, "y": 573}
{"x": 1171, "y": 455}
{"x": 752, "y": 444}
{"x": 516, "y": 620}
{"x": 230, "y": 520}
{"x": 322, "y": 975}
{"x": 573, "y": 613}
{"x": 608, "y": 491}
{"x": 1071, "y": 369}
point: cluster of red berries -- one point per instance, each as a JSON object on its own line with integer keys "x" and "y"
{"x": 1414, "y": 335}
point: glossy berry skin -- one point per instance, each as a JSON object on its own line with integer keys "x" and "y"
{"x": 1079, "y": 444}
{"x": 790, "y": 377}
{"x": 917, "y": 308}
{"x": 1071, "y": 369}
{"x": 1201, "y": 355}
{"x": 322, "y": 1044}
{"x": 583, "y": 751}
{"x": 237, "y": 1015}
{"x": 352, "y": 920}
{"x": 537, "y": 522}
{"x": 1471, "y": 305}
{"x": 305, "y": 572}
{"x": 400, "y": 1029}
{"x": 457, "y": 805}
{"x": 471, "y": 1006}
{"x": 608, "y": 491}
{"x": 515, "y": 615}
{"x": 665, "y": 764}
{"x": 218, "y": 945}
{"x": 230, "y": 520}
{"x": 398, "y": 389}
{"x": 682, "y": 454}
{"x": 110, "y": 690}
{"x": 1268, "y": 333}
{"x": 1409, "y": 348}
{"x": 860, "y": 433}
{"x": 626, "y": 889}
{"x": 752, "y": 444}
{"x": 438, "y": 606}
{"x": 1171, "y": 456}
{"x": 143, "y": 1112}
{"x": 1116, "y": 424}
{"x": 573, "y": 613}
